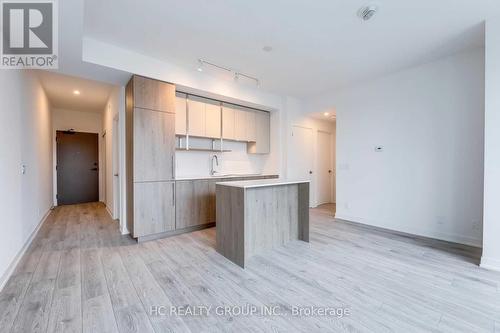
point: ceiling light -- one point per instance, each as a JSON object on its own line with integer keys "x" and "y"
{"x": 76, "y": 92}
{"x": 200, "y": 65}
{"x": 367, "y": 12}
{"x": 326, "y": 114}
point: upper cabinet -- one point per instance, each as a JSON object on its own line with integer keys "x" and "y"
{"x": 153, "y": 95}
{"x": 240, "y": 125}
{"x": 228, "y": 123}
{"x": 196, "y": 116}
{"x": 180, "y": 114}
{"x": 262, "y": 144}
{"x": 251, "y": 126}
{"x": 213, "y": 120}
{"x": 206, "y": 118}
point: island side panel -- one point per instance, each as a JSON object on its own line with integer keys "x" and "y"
{"x": 303, "y": 211}
{"x": 230, "y": 227}
{"x": 271, "y": 218}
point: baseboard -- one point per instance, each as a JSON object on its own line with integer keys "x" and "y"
{"x": 414, "y": 232}
{"x": 490, "y": 263}
{"x": 174, "y": 232}
{"x": 8, "y": 273}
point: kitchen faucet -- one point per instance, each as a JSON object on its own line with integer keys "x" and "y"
{"x": 212, "y": 169}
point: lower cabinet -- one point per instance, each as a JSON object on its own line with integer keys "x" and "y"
{"x": 154, "y": 210}
{"x": 194, "y": 205}
{"x": 195, "y": 200}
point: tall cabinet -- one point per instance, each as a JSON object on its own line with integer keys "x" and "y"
{"x": 150, "y": 141}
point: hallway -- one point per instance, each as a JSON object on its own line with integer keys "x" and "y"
{"x": 80, "y": 274}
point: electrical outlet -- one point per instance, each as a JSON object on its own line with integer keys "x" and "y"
{"x": 440, "y": 220}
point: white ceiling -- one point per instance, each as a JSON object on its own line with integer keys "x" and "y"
{"x": 59, "y": 89}
{"x": 317, "y": 45}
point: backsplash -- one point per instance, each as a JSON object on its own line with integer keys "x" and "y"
{"x": 197, "y": 164}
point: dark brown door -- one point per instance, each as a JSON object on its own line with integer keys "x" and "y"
{"x": 77, "y": 167}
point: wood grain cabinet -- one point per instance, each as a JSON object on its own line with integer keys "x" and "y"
{"x": 262, "y": 144}
{"x": 154, "y": 211}
{"x": 153, "y": 94}
{"x": 194, "y": 206}
{"x": 180, "y": 114}
{"x": 196, "y": 116}
{"x": 212, "y": 120}
{"x": 240, "y": 125}
{"x": 154, "y": 145}
{"x": 251, "y": 126}
{"x": 150, "y": 157}
{"x": 228, "y": 123}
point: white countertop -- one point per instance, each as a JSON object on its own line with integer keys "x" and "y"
{"x": 263, "y": 183}
{"x": 223, "y": 176}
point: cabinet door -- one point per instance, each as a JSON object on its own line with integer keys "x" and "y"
{"x": 154, "y": 145}
{"x": 212, "y": 120}
{"x": 196, "y": 117}
{"x": 251, "y": 126}
{"x": 263, "y": 129}
{"x": 153, "y": 94}
{"x": 228, "y": 123}
{"x": 180, "y": 114}
{"x": 240, "y": 128}
{"x": 154, "y": 208}
{"x": 192, "y": 203}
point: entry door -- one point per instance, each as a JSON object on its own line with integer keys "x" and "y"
{"x": 325, "y": 170}
{"x": 77, "y": 167}
{"x": 301, "y": 157}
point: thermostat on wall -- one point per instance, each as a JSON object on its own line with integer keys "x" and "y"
{"x": 379, "y": 149}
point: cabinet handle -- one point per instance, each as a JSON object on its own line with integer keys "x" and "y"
{"x": 173, "y": 166}
{"x": 173, "y": 194}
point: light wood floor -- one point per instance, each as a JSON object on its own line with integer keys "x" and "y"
{"x": 81, "y": 275}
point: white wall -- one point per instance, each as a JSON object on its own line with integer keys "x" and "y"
{"x": 80, "y": 121}
{"x": 25, "y": 138}
{"x": 429, "y": 179}
{"x": 297, "y": 117}
{"x": 111, "y": 123}
{"x": 491, "y": 233}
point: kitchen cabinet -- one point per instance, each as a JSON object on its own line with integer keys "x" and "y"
{"x": 154, "y": 208}
{"x": 262, "y": 144}
{"x": 251, "y": 126}
{"x": 193, "y": 204}
{"x": 228, "y": 123}
{"x": 153, "y": 94}
{"x": 212, "y": 120}
{"x": 154, "y": 145}
{"x": 180, "y": 114}
{"x": 196, "y": 117}
{"x": 240, "y": 127}
{"x": 196, "y": 201}
{"x": 150, "y": 157}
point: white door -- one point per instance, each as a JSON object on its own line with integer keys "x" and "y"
{"x": 325, "y": 170}
{"x": 301, "y": 157}
{"x": 116, "y": 168}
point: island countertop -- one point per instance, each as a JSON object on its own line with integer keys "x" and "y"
{"x": 263, "y": 182}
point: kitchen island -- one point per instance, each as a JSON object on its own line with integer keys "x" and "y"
{"x": 257, "y": 215}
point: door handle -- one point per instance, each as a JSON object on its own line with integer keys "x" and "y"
{"x": 310, "y": 172}
{"x": 329, "y": 171}
{"x": 94, "y": 169}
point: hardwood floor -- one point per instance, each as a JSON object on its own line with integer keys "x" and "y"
{"x": 80, "y": 274}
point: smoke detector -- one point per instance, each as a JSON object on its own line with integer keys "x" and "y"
{"x": 367, "y": 12}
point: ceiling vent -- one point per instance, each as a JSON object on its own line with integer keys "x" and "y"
{"x": 367, "y": 12}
